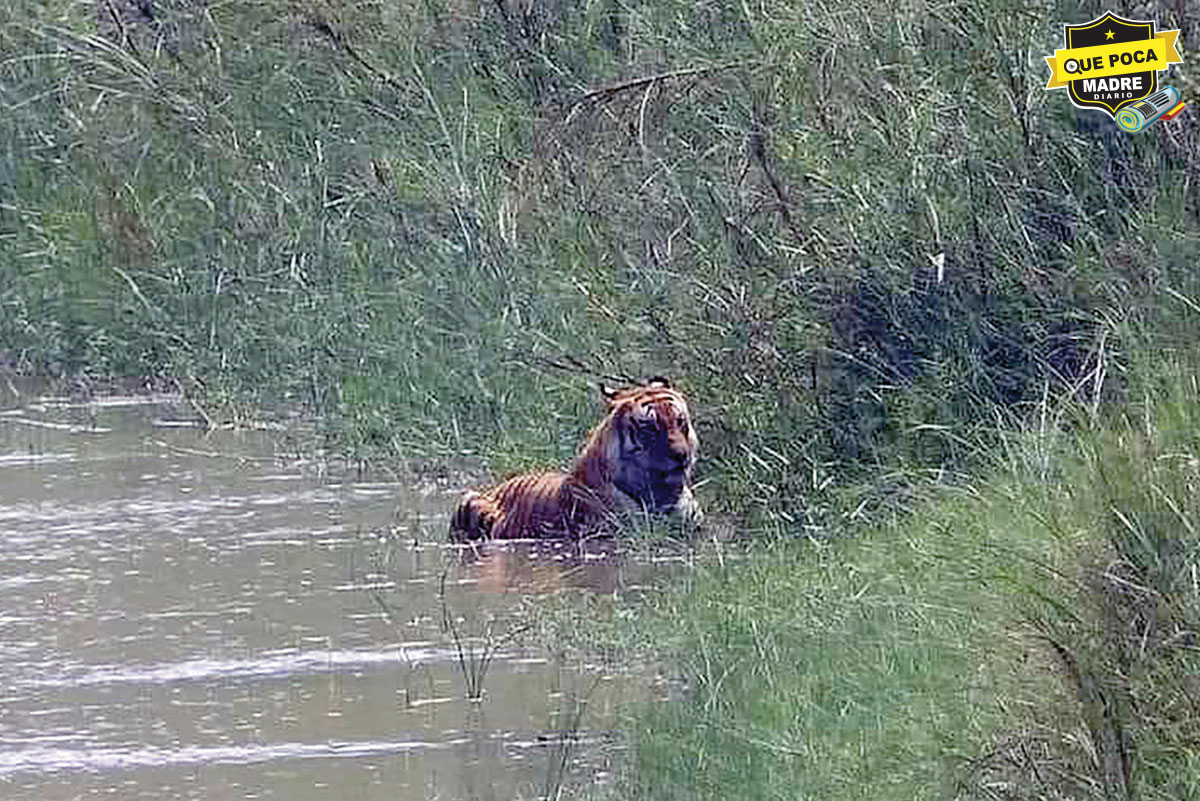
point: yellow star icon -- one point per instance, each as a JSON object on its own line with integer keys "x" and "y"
{"x": 1108, "y": 34}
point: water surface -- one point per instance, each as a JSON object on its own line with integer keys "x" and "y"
{"x": 192, "y": 614}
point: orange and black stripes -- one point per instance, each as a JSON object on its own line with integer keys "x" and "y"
{"x": 640, "y": 455}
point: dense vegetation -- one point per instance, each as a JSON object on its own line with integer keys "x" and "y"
{"x": 1029, "y": 633}
{"x": 879, "y": 255}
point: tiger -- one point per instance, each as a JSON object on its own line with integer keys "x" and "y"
{"x": 638, "y": 460}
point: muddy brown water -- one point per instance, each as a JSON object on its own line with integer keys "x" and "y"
{"x": 191, "y": 614}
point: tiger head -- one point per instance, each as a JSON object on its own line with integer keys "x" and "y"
{"x": 646, "y": 447}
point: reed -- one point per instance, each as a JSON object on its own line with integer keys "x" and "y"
{"x": 476, "y": 652}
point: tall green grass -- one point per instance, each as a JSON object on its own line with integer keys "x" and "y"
{"x": 433, "y": 223}
{"x": 1031, "y": 633}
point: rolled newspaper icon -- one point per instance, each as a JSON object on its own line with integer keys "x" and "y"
{"x": 1136, "y": 117}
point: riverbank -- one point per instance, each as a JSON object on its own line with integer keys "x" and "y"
{"x": 1029, "y": 631}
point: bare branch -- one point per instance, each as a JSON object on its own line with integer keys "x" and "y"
{"x": 608, "y": 92}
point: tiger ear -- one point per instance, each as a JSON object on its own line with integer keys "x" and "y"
{"x": 608, "y": 393}
{"x": 659, "y": 381}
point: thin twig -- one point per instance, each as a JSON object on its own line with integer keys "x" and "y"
{"x": 567, "y": 363}
{"x": 126, "y": 39}
{"x": 759, "y": 151}
{"x": 195, "y": 404}
{"x": 608, "y": 92}
{"x": 335, "y": 36}
{"x": 137, "y": 292}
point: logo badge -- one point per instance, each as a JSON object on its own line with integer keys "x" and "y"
{"x": 1112, "y": 63}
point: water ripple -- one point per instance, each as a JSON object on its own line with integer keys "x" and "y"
{"x": 42, "y": 759}
{"x": 270, "y": 664}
